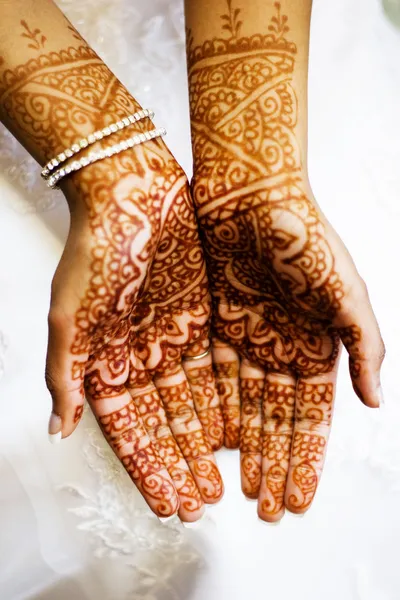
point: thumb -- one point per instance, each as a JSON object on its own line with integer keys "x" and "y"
{"x": 360, "y": 334}
{"x": 65, "y": 372}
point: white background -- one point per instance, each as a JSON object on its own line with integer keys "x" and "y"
{"x": 71, "y": 526}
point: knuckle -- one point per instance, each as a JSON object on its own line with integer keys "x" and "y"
{"x": 50, "y": 381}
{"x": 381, "y": 352}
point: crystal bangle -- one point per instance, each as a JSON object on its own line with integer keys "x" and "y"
{"x": 94, "y": 137}
{"x": 93, "y": 157}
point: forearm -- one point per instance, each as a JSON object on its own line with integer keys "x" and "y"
{"x": 54, "y": 89}
{"x": 247, "y": 65}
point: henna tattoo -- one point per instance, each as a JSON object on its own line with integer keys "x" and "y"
{"x": 191, "y": 438}
{"x": 140, "y": 275}
{"x": 272, "y": 272}
{"x": 208, "y": 480}
{"x": 278, "y": 411}
{"x": 36, "y": 39}
{"x": 276, "y": 452}
{"x": 274, "y": 281}
{"x": 78, "y": 413}
{"x": 231, "y": 20}
{"x": 314, "y": 403}
{"x": 202, "y": 385}
{"x": 351, "y": 338}
{"x": 307, "y": 453}
{"x": 227, "y": 374}
{"x": 251, "y": 391}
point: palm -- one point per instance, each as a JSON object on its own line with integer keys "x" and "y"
{"x": 284, "y": 288}
{"x": 145, "y": 306}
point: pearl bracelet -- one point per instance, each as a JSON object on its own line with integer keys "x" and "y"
{"x": 95, "y": 137}
{"x": 93, "y": 157}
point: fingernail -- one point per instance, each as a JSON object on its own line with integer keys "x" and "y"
{"x": 271, "y": 523}
{"x": 194, "y": 524}
{"x": 168, "y": 519}
{"x": 381, "y": 397}
{"x": 55, "y": 426}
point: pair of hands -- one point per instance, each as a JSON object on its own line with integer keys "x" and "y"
{"x": 131, "y": 304}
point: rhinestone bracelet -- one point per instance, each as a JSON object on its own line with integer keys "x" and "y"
{"x": 95, "y": 137}
{"x": 104, "y": 153}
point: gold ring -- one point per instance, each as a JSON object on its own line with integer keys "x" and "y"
{"x": 202, "y": 355}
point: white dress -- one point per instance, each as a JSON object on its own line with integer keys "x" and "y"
{"x": 72, "y": 526}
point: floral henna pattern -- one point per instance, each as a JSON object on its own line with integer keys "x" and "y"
{"x": 278, "y": 413}
{"x": 307, "y": 456}
{"x": 274, "y": 278}
{"x": 314, "y": 402}
{"x": 139, "y": 270}
{"x": 227, "y": 381}
{"x": 251, "y": 392}
{"x": 191, "y": 439}
{"x": 272, "y": 272}
{"x": 207, "y": 403}
{"x": 275, "y": 452}
{"x": 34, "y": 36}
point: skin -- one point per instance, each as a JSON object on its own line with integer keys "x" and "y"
{"x": 129, "y": 300}
{"x": 286, "y": 293}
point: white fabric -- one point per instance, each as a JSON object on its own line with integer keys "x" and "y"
{"x": 71, "y": 524}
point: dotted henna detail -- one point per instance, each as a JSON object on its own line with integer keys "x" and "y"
{"x": 141, "y": 281}
{"x": 193, "y": 445}
{"x": 250, "y": 466}
{"x": 307, "y": 454}
{"x": 276, "y": 450}
{"x": 314, "y": 402}
{"x": 272, "y": 272}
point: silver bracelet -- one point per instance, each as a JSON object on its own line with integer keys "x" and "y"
{"x": 95, "y": 137}
{"x": 93, "y": 157}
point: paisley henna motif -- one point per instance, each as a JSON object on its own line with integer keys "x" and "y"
{"x": 273, "y": 276}
{"x": 139, "y": 293}
{"x": 272, "y": 273}
{"x": 207, "y": 403}
{"x": 307, "y": 453}
{"x": 251, "y": 391}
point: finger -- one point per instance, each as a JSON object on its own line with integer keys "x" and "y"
{"x": 313, "y": 417}
{"x": 278, "y": 418}
{"x": 200, "y": 376}
{"x": 150, "y": 409}
{"x": 65, "y": 370}
{"x": 360, "y": 334}
{"x": 226, "y": 368}
{"x": 123, "y": 427}
{"x": 251, "y": 393}
{"x": 178, "y": 403}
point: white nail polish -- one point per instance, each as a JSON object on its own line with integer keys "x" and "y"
{"x": 55, "y": 438}
{"x": 381, "y": 397}
{"x": 194, "y": 524}
{"x": 271, "y": 523}
{"x": 168, "y": 519}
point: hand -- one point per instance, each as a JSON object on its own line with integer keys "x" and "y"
{"x": 285, "y": 290}
{"x": 129, "y": 304}
{"x": 129, "y": 300}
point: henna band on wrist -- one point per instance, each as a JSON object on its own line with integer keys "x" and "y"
{"x": 93, "y": 157}
{"x": 95, "y": 137}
